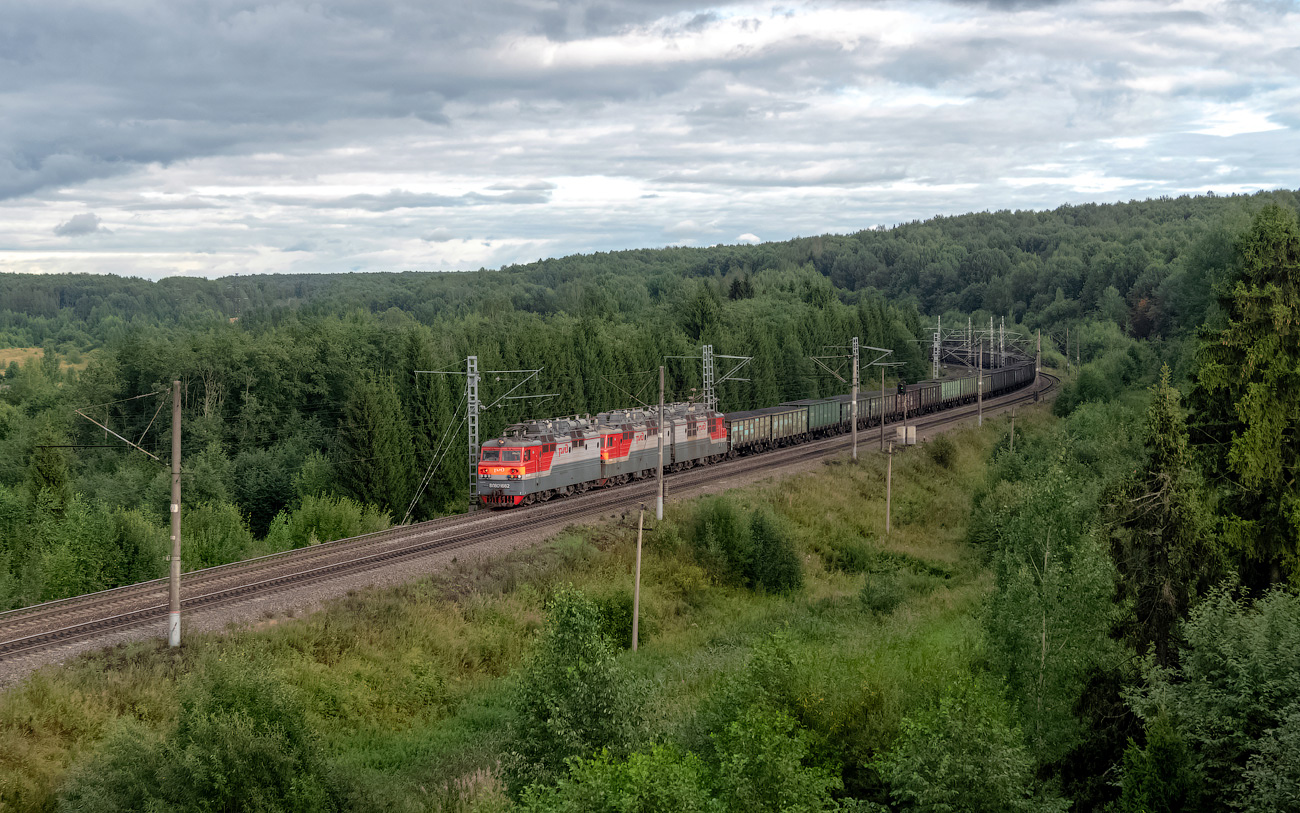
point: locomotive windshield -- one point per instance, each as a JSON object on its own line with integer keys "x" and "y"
{"x": 491, "y": 455}
{"x": 510, "y": 455}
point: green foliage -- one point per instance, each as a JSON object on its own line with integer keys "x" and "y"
{"x": 213, "y": 534}
{"x": 241, "y": 742}
{"x": 1159, "y": 778}
{"x": 964, "y": 755}
{"x": 762, "y": 766}
{"x": 1160, "y": 530}
{"x": 1272, "y": 776}
{"x": 1050, "y": 614}
{"x": 776, "y": 566}
{"x": 941, "y": 450}
{"x": 323, "y": 519}
{"x": 664, "y": 779}
{"x": 376, "y": 444}
{"x": 572, "y": 699}
{"x": 883, "y": 592}
{"x": 1234, "y": 695}
{"x": 1246, "y": 388}
{"x": 753, "y": 551}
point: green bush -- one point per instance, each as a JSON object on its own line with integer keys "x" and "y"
{"x": 848, "y": 553}
{"x": 964, "y": 755}
{"x": 1234, "y": 698}
{"x": 942, "y": 451}
{"x": 754, "y": 551}
{"x": 775, "y": 564}
{"x": 324, "y": 519}
{"x": 763, "y": 766}
{"x": 615, "y": 609}
{"x": 241, "y": 742}
{"x": 214, "y": 534}
{"x": 883, "y": 592}
{"x": 572, "y": 698}
{"x": 663, "y": 780}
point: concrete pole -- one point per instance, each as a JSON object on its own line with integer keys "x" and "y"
{"x": 1013, "y": 430}
{"x": 979, "y": 380}
{"x": 853, "y": 408}
{"x": 663, "y": 426}
{"x": 889, "y": 485}
{"x": 882, "y": 408}
{"x": 174, "y": 582}
{"x": 636, "y": 589}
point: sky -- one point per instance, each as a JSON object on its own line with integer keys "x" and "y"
{"x": 161, "y": 137}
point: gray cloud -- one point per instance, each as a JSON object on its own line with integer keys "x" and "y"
{"x": 385, "y": 134}
{"x": 87, "y": 223}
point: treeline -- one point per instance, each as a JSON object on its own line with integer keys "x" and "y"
{"x": 1147, "y": 265}
{"x": 334, "y": 423}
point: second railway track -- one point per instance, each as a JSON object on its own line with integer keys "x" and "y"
{"x": 54, "y": 624}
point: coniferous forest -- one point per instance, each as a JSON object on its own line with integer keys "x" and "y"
{"x": 1102, "y": 617}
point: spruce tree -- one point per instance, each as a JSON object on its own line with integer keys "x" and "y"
{"x": 1247, "y": 401}
{"x": 375, "y": 441}
{"x": 1159, "y": 530}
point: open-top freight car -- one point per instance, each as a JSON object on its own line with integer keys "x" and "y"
{"x": 769, "y": 428}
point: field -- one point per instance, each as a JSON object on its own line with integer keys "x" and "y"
{"x": 22, "y": 355}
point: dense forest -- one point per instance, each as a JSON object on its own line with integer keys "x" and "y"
{"x": 1136, "y": 644}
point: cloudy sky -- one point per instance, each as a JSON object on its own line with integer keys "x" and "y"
{"x": 238, "y": 136}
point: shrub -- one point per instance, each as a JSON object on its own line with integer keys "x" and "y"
{"x": 753, "y": 551}
{"x": 964, "y": 755}
{"x": 615, "y": 609}
{"x": 572, "y": 698}
{"x": 883, "y": 592}
{"x": 241, "y": 742}
{"x": 214, "y": 534}
{"x": 762, "y": 766}
{"x": 942, "y": 451}
{"x": 324, "y": 519}
{"x": 1233, "y": 697}
{"x": 848, "y": 553}
{"x": 664, "y": 779}
{"x": 722, "y": 539}
{"x": 775, "y": 566}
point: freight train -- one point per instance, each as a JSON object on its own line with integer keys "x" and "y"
{"x": 539, "y": 460}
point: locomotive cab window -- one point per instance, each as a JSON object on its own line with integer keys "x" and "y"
{"x": 510, "y": 456}
{"x": 491, "y": 455}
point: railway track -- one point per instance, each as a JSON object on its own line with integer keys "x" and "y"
{"x": 29, "y": 630}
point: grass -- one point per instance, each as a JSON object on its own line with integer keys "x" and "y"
{"x": 406, "y": 686}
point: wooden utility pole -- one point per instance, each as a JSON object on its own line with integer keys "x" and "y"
{"x": 889, "y": 485}
{"x": 174, "y": 583}
{"x": 853, "y": 409}
{"x": 663, "y": 425}
{"x": 1013, "y": 430}
{"x": 636, "y": 588}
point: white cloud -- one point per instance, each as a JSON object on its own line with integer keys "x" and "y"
{"x": 748, "y": 238}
